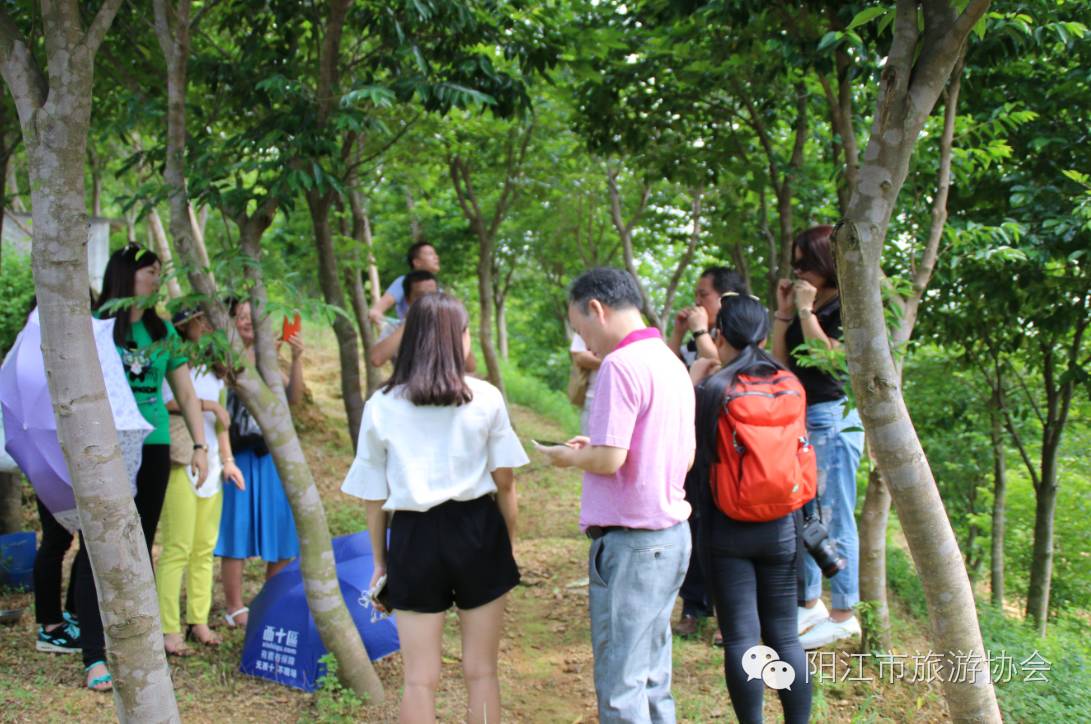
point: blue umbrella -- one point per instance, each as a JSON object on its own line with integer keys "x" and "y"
{"x": 282, "y": 642}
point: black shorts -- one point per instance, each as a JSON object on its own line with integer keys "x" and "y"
{"x": 458, "y": 552}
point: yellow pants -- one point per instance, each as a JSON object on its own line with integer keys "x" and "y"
{"x": 188, "y": 530}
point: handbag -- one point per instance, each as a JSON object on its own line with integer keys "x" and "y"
{"x": 181, "y": 443}
{"x": 578, "y": 382}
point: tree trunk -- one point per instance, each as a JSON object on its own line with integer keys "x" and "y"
{"x": 199, "y": 236}
{"x": 330, "y": 281}
{"x": 910, "y": 86}
{"x": 502, "y": 327}
{"x": 11, "y": 502}
{"x": 361, "y": 232}
{"x": 1041, "y": 566}
{"x": 162, "y": 248}
{"x": 999, "y": 490}
{"x": 268, "y": 404}
{"x": 485, "y": 322}
{"x": 96, "y": 181}
{"x": 872, "y": 532}
{"x": 263, "y": 392}
{"x": 54, "y": 113}
{"x": 355, "y": 284}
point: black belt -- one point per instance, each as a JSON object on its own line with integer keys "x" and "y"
{"x": 594, "y": 532}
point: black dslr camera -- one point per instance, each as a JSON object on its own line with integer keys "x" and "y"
{"x": 816, "y": 540}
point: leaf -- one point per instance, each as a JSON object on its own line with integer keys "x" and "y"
{"x": 829, "y": 39}
{"x": 865, "y": 16}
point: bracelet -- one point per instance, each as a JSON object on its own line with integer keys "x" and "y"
{"x": 228, "y": 460}
{"x": 200, "y": 446}
{"x": 808, "y": 311}
{"x": 780, "y": 318}
{"x": 699, "y": 332}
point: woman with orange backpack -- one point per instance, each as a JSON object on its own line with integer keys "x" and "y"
{"x": 752, "y": 441}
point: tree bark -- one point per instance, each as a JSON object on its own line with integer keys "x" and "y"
{"x": 876, "y": 509}
{"x": 329, "y": 279}
{"x": 910, "y": 87}
{"x": 261, "y": 390}
{"x": 11, "y": 502}
{"x": 874, "y": 517}
{"x": 996, "y": 566}
{"x": 361, "y": 232}
{"x": 687, "y": 255}
{"x": 55, "y": 133}
{"x": 162, "y": 248}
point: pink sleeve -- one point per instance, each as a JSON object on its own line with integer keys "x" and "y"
{"x": 615, "y": 407}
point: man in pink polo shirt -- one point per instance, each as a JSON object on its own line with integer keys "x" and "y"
{"x": 640, "y": 445}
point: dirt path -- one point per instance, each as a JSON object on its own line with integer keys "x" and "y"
{"x": 546, "y": 665}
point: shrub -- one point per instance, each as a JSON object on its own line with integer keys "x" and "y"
{"x": 16, "y": 294}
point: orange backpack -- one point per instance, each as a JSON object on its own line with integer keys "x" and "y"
{"x": 766, "y": 466}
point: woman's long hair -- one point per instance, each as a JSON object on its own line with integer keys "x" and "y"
{"x": 119, "y": 282}
{"x": 431, "y": 362}
{"x": 744, "y": 324}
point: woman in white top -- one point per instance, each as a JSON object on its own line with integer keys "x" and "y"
{"x": 191, "y": 510}
{"x": 435, "y": 456}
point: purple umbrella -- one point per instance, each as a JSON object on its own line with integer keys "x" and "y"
{"x": 31, "y": 430}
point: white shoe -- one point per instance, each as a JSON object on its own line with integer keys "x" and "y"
{"x": 808, "y": 617}
{"x": 828, "y": 631}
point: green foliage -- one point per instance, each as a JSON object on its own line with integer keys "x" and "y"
{"x": 16, "y": 295}
{"x": 526, "y": 390}
{"x": 335, "y": 703}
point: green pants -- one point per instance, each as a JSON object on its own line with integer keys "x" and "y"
{"x": 188, "y": 531}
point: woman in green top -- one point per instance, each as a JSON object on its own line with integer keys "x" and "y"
{"x": 149, "y": 349}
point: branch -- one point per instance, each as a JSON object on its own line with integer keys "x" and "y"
{"x": 1010, "y": 425}
{"x": 514, "y": 168}
{"x": 923, "y": 273}
{"x": 21, "y": 72}
{"x": 687, "y": 257}
{"x": 104, "y": 18}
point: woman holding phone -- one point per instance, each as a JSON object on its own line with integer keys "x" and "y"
{"x": 435, "y": 458}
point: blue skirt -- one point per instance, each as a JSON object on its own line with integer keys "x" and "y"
{"x": 257, "y": 522}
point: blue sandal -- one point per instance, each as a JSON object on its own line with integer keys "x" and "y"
{"x": 103, "y": 683}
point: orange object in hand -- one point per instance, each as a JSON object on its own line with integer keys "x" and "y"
{"x": 291, "y": 328}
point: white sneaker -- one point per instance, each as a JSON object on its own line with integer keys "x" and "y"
{"x": 828, "y": 631}
{"x": 808, "y": 617}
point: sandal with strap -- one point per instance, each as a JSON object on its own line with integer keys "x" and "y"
{"x": 212, "y": 640}
{"x": 102, "y": 683}
{"x": 230, "y": 617}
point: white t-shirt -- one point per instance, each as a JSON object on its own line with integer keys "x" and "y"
{"x": 417, "y": 457}
{"x": 578, "y": 345}
{"x": 208, "y": 387}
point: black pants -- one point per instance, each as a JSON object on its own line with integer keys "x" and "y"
{"x": 48, "y": 570}
{"x": 694, "y": 594}
{"x": 151, "y": 488}
{"x": 752, "y": 576}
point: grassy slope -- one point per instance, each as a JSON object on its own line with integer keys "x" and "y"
{"x": 546, "y": 664}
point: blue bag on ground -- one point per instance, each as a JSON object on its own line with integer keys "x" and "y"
{"x": 17, "y": 552}
{"x": 282, "y": 642}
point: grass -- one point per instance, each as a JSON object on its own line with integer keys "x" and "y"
{"x": 546, "y": 663}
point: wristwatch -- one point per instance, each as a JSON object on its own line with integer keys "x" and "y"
{"x": 699, "y": 332}
{"x": 199, "y": 446}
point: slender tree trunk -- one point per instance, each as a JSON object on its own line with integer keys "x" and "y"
{"x": 910, "y": 85}
{"x": 872, "y": 531}
{"x": 96, "y": 181}
{"x": 268, "y": 404}
{"x": 415, "y": 231}
{"x": 485, "y": 250}
{"x": 330, "y": 281}
{"x": 625, "y": 233}
{"x": 1041, "y": 566}
{"x": 4, "y": 163}
{"x": 262, "y": 391}
{"x": 999, "y": 490}
{"x": 877, "y": 500}
{"x": 162, "y": 248}
{"x": 198, "y": 232}
{"x": 361, "y": 232}
{"x": 11, "y": 502}
{"x": 502, "y": 327}
{"x": 54, "y": 112}
{"x": 355, "y": 284}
